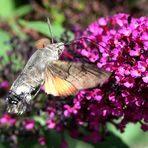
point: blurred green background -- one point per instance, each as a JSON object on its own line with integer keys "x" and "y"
{"x": 26, "y": 19}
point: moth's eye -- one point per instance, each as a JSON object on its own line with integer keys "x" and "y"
{"x": 60, "y": 47}
{"x": 42, "y": 43}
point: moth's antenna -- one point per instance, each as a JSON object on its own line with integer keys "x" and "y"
{"x": 49, "y": 26}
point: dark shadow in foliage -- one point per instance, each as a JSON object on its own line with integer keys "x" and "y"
{"x": 4, "y": 145}
{"x": 111, "y": 141}
{"x": 27, "y": 140}
{"x": 53, "y": 139}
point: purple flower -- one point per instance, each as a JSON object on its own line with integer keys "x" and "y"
{"x": 121, "y": 49}
{"x": 94, "y": 137}
{"x": 4, "y": 85}
{"x": 102, "y": 22}
{"x": 112, "y": 97}
{"x": 29, "y": 124}
{"x": 51, "y": 123}
{"x": 64, "y": 144}
{"x": 135, "y": 52}
{"x": 51, "y": 112}
{"x": 145, "y": 77}
{"x": 135, "y": 72}
{"x": 144, "y": 127}
{"x": 69, "y": 110}
{"x": 7, "y": 119}
{"x": 42, "y": 140}
{"x": 128, "y": 82}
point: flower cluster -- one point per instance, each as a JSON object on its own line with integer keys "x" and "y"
{"x": 118, "y": 44}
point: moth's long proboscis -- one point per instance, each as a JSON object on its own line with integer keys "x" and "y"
{"x": 75, "y": 42}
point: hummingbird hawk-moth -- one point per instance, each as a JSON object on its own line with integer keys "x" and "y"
{"x": 60, "y": 78}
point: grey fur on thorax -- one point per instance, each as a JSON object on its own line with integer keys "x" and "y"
{"x": 35, "y": 68}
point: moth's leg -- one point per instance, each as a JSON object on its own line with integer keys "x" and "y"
{"x": 39, "y": 88}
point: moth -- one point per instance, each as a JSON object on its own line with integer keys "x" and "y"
{"x": 59, "y": 78}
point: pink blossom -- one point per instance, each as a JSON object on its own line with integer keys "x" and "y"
{"x": 51, "y": 123}
{"x": 7, "y": 119}
{"x": 112, "y": 96}
{"x": 41, "y": 140}
{"x": 29, "y": 124}
{"x": 4, "y": 85}
{"x": 85, "y": 53}
{"x": 64, "y": 144}
{"x": 94, "y": 137}
{"x": 51, "y": 112}
{"x": 122, "y": 50}
{"x": 128, "y": 82}
{"x": 135, "y": 72}
{"x": 145, "y": 77}
{"x": 69, "y": 110}
{"x": 135, "y": 52}
{"x": 142, "y": 66}
{"x": 102, "y": 22}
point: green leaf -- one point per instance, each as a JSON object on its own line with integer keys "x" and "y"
{"x": 4, "y": 45}
{"x": 132, "y": 135}
{"x": 16, "y": 28}
{"x": 71, "y": 35}
{"x": 40, "y": 119}
{"x": 58, "y": 16}
{"x": 4, "y": 38}
{"x": 57, "y": 30}
{"x": 42, "y": 27}
{"x": 17, "y": 63}
{"x": 23, "y": 10}
{"x": 6, "y": 8}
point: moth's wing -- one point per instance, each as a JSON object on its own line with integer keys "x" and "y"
{"x": 57, "y": 86}
{"x": 77, "y": 76}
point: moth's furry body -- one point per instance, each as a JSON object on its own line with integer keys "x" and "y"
{"x": 32, "y": 76}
